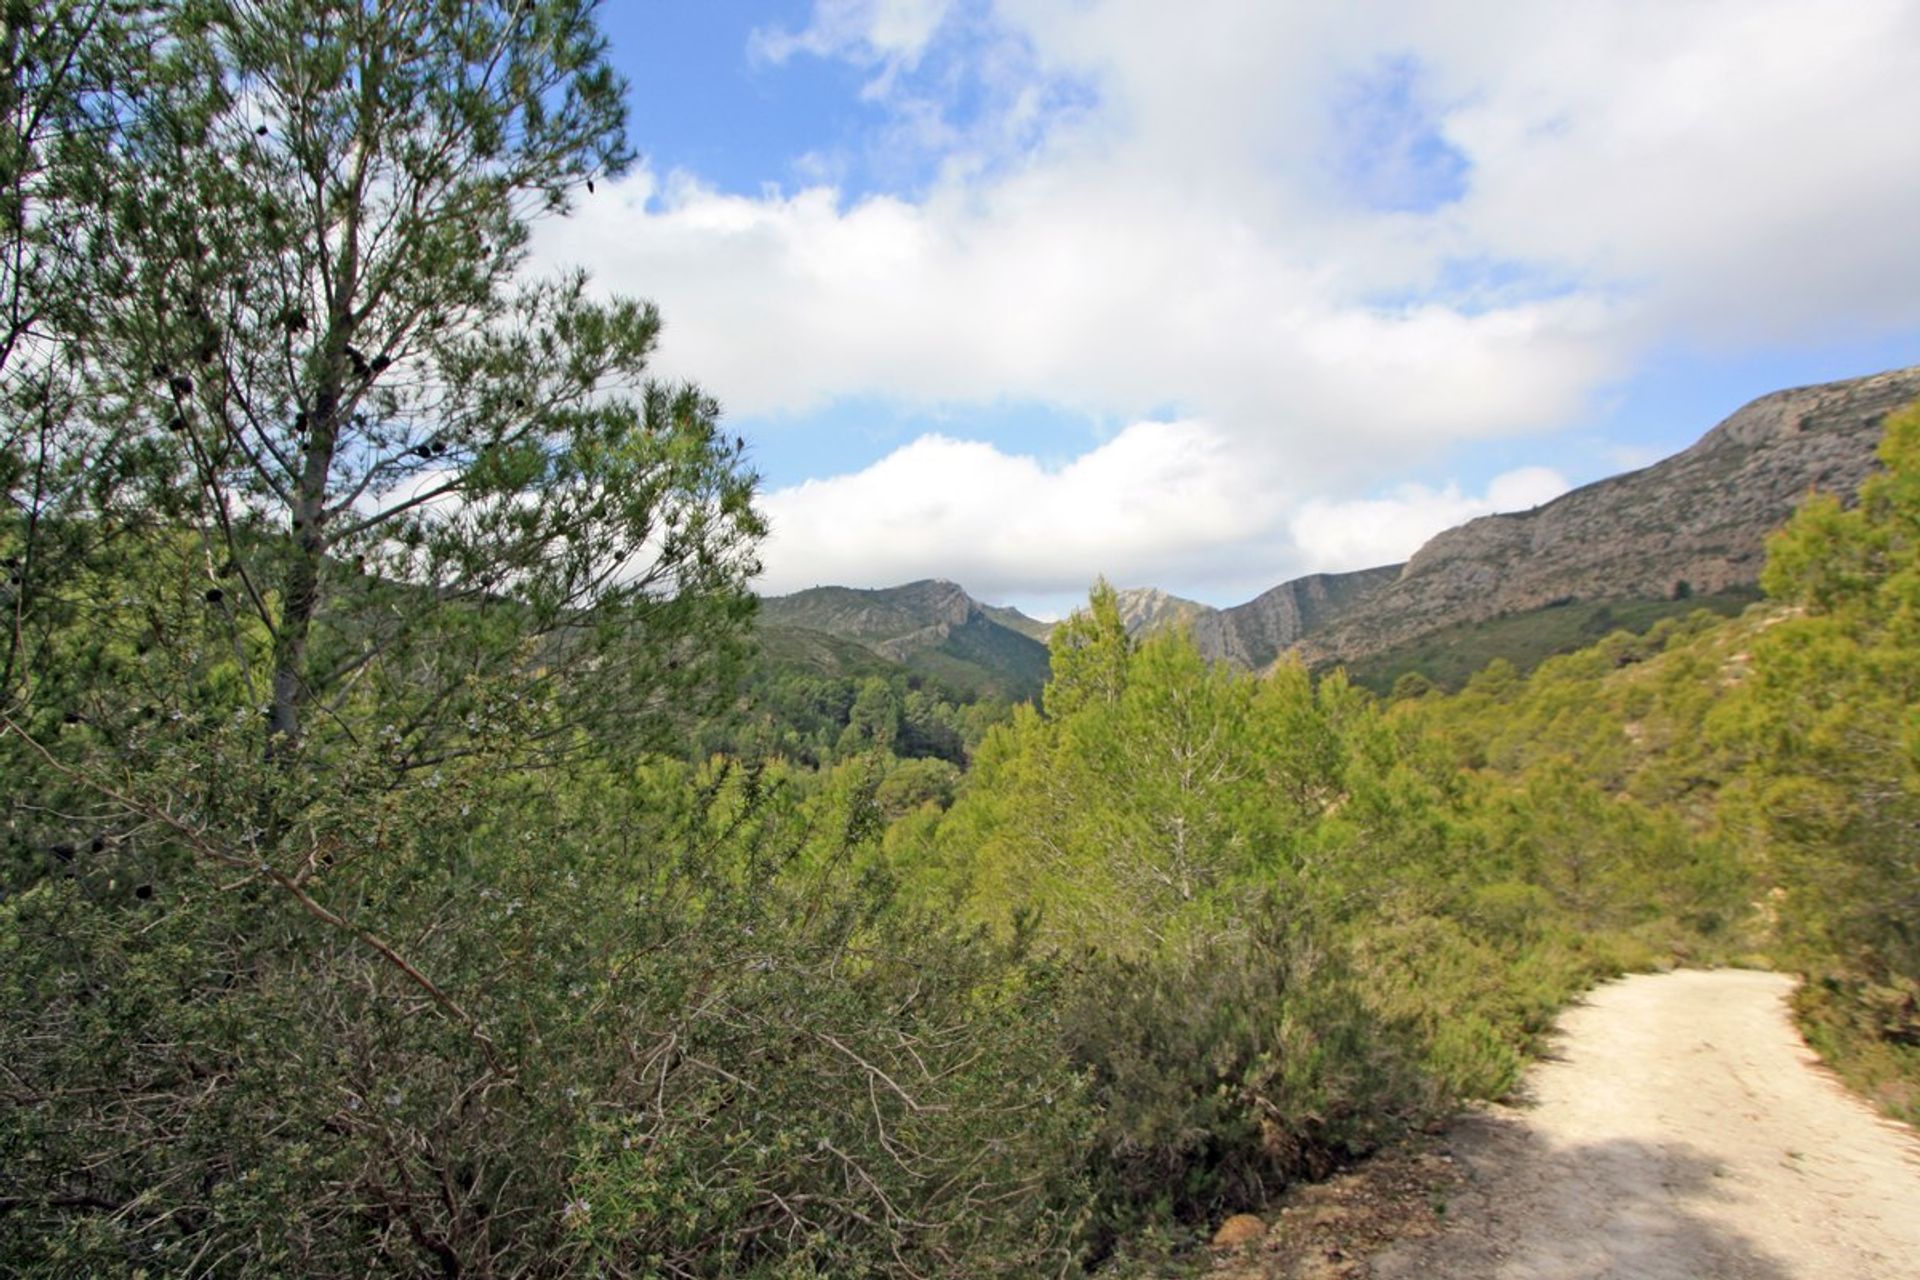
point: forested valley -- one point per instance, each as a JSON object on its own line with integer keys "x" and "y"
{"x": 412, "y": 866}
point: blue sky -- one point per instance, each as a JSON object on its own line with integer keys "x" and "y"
{"x": 705, "y": 100}
{"x": 1018, "y": 292}
{"x": 701, "y": 102}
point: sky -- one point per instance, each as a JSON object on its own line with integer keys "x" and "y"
{"x": 1210, "y": 295}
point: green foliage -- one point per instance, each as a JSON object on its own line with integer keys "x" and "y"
{"x": 792, "y": 712}
{"x": 1226, "y": 1066}
{"x": 1293, "y": 921}
{"x": 350, "y": 571}
{"x": 674, "y": 1055}
{"x": 931, "y": 628}
{"x": 912, "y": 785}
{"x": 362, "y": 914}
{"x": 1088, "y": 654}
{"x": 309, "y": 345}
{"x": 1870, "y": 1031}
{"x": 1829, "y": 721}
{"x": 1450, "y": 656}
{"x": 1152, "y": 780}
{"x": 1666, "y": 783}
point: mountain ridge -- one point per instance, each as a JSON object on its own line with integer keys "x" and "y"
{"x": 1256, "y": 633}
{"x": 1146, "y": 609}
{"x": 932, "y": 626}
{"x": 1692, "y": 524}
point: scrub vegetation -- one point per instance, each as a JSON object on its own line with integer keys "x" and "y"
{"x": 410, "y": 866}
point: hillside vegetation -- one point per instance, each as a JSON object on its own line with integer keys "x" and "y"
{"x": 932, "y": 629}
{"x": 1449, "y": 657}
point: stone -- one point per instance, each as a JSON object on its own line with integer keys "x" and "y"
{"x": 1241, "y": 1228}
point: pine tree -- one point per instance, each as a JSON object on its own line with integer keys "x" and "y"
{"x": 1830, "y": 719}
{"x": 416, "y": 489}
{"x": 1089, "y": 654}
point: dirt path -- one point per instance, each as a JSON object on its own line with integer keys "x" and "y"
{"x": 1682, "y": 1129}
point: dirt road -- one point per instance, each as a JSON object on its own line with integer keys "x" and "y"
{"x": 1681, "y": 1129}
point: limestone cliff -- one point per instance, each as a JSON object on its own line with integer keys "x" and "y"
{"x": 1694, "y": 523}
{"x": 1148, "y": 609}
{"x": 1255, "y": 633}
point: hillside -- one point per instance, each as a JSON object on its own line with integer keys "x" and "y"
{"x": 1148, "y": 609}
{"x": 932, "y": 627}
{"x": 1450, "y": 656}
{"x": 821, "y": 653}
{"x": 1623, "y": 552}
{"x": 1255, "y": 633}
{"x": 1012, "y": 618}
{"x": 1692, "y": 525}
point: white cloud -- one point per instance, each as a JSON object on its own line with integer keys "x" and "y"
{"x": 891, "y": 33}
{"x": 1064, "y": 290}
{"x": 1336, "y": 536}
{"x": 1181, "y": 233}
{"x": 1158, "y": 498}
{"x": 1747, "y": 167}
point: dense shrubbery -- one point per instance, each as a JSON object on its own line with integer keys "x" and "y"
{"x": 1291, "y": 921}
{"x": 679, "y": 1034}
{"x": 351, "y": 924}
{"x": 1830, "y": 724}
{"x": 1221, "y": 932}
{"x": 816, "y": 719}
{"x": 1222, "y": 1067}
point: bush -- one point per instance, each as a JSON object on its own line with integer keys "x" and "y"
{"x": 1870, "y": 1031}
{"x": 1225, "y": 1067}
{"x": 680, "y": 1033}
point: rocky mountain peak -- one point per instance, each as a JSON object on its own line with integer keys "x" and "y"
{"x": 1146, "y": 609}
{"x": 1696, "y": 522}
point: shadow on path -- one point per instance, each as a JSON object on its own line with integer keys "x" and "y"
{"x": 1615, "y": 1208}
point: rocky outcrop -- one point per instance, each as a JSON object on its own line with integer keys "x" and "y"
{"x": 1257, "y": 632}
{"x": 1695, "y": 523}
{"x": 1149, "y": 609}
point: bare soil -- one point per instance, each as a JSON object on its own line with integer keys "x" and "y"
{"x": 1680, "y": 1129}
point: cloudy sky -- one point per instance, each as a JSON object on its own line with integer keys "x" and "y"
{"x": 1209, "y": 295}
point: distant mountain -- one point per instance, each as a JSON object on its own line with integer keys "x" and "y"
{"x": 1692, "y": 525}
{"x": 1032, "y": 628}
{"x": 821, "y": 654}
{"x": 1146, "y": 609}
{"x": 1257, "y": 632}
{"x": 1622, "y": 551}
{"x": 933, "y": 627}
{"x": 1450, "y": 656}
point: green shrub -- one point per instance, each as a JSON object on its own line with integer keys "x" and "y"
{"x": 1224, "y": 1067}
{"x": 668, "y": 1043}
{"x": 1870, "y": 1031}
